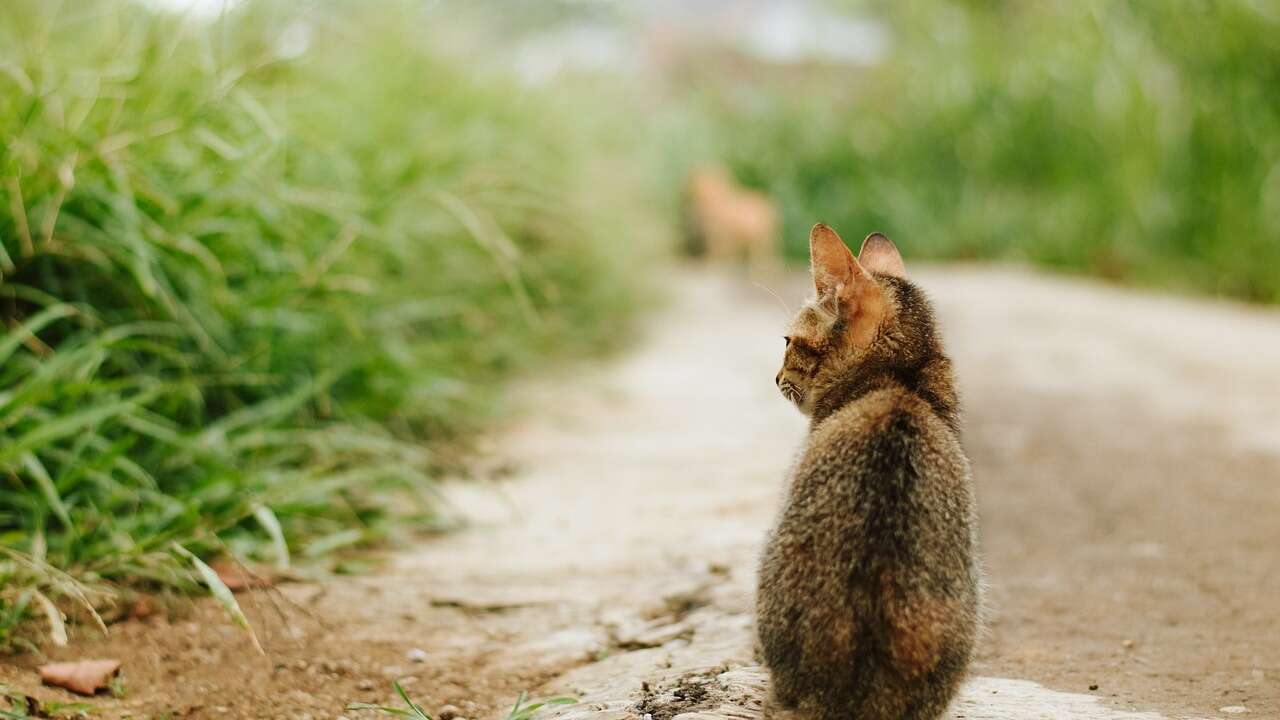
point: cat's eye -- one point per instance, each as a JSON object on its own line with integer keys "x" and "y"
{"x": 787, "y": 338}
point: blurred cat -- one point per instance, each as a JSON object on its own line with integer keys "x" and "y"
{"x": 728, "y": 221}
{"x": 869, "y": 604}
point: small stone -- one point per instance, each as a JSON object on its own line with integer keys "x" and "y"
{"x": 417, "y": 655}
{"x": 1128, "y": 644}
{"x": 1234, "y": 709}
{"x": 365, "y": 684}
{"x": 301, "y": 665}
{"x": 1093, "y": 687}
{"x": 449, "y": 712}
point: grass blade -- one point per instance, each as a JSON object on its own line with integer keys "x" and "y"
{"x": 271, "y": 524}
{"x": 17, "y": 335}
{"x": 221, "y": 593}
{"x": 50, "y": 491}
{"x": 57, "y": 628}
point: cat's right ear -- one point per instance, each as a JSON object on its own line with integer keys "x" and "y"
{"x": 844, "y": 285}
{"x": 833, "y": 263}
{"x": 837, "y": 274}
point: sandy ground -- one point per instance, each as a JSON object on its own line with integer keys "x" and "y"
{"x": 1127, "y": 454}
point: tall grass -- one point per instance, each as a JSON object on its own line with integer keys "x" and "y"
{"x": 255, "y": 271}
{"x": 1135, "y": 141}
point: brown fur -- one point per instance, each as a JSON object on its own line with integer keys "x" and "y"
{"x": 731, "y": 221}
{"x": 868, "y": 603}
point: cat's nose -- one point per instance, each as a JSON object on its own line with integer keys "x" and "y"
{"x": 777, "y": 379}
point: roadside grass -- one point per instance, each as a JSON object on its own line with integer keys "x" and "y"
{"x": 261, "y": 275}
{"x": 523, "y": 709}
{"x": 1138, "y": 142}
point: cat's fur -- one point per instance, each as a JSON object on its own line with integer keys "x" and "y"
{"x": 868, "y": 604}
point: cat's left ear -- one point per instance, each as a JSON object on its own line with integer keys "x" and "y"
{"x": 880, "y": 255}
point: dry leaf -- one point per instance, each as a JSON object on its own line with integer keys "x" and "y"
{"x": 142, "y": 607}
{"x": 239, "y": 577}
{"x": 83, "y": 676}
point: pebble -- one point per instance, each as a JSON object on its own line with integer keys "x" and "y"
{"x": 1233, "y": 709}
{"x": 365, "y": 684}
{"x": 449, "y": 712}
{"x": 417, "y": 655}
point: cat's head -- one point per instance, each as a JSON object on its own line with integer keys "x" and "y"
{"x": 865, "y": 317}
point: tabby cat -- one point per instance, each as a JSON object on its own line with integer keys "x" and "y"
{"x": 869, "y": 602}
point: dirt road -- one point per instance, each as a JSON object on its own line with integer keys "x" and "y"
{"x": 1127, "y": 453}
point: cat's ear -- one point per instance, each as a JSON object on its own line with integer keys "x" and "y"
{"x": 844, "y": 285}
{"x": 880, "y": 255}
{"x": 835, "y": 269}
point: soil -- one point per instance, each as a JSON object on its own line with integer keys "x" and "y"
{"x": 1126, "y": 449}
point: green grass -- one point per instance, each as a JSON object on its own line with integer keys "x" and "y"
{"x": 523, "y": 709}
{"x": 1137, "y": 141}
{"x": 253, "y": 299}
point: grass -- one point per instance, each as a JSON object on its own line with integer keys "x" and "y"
{"x": 261, "y": 275}
{"x": 1133, "y": 141}
{"x": 18, "y": 706}
{"x": 523, "y": 709}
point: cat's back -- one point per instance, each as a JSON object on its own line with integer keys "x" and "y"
{"x": 886, "y": 434}
{"x": 870, "y": 586}
{"x": 881, "y": 498}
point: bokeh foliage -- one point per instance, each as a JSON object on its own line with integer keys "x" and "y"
{"x": 264, "y": 266}
{"x": 1137, "y": 141}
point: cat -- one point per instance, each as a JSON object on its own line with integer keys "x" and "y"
{"x": 869, "y": 598}
{"x": 727, "y": 221}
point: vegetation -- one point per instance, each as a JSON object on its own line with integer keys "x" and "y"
{"x": 261, "y": 275}
{"x": 1135, "y": 141}
{"x": 524, "y": 709}
{"x": 256, "y": 270}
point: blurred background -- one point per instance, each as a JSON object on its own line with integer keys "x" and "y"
{"x": 266, "y": 267}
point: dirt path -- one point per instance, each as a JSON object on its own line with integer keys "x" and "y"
{"x": 1127, "y": 451}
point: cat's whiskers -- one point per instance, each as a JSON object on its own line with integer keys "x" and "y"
{"x": 786, "y": 309}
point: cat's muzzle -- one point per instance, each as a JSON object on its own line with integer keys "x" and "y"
{"x": 791, "y": 392}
